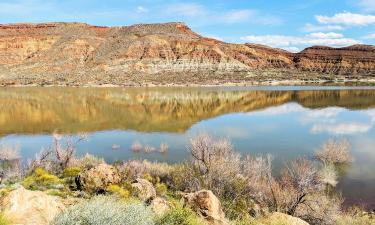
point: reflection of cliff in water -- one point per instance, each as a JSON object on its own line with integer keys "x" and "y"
{"x": 45, "y": 110}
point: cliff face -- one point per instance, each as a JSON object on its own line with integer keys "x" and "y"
{"x": 80, "y": 53}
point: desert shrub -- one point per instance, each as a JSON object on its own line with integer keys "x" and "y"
{"x": 134, "y": 169}
{"x": 300, "y": 179}
{"x": 179, "y": 215}
{"x": 4, "y": 220}
{"x": 105, "y": 210}
{"x": 41, "y": 180}
{"x": 334, "y": 152}
{"x": 217, "y": 167}
{"x": 87, "y": 161}
{"x": 119, "y": 191}
{"x": 320, "y": 209}
{"x": 60, "y": 155}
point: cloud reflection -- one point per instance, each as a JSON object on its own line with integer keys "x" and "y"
{"x": 331, "y": 120}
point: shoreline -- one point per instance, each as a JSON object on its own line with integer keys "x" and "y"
{"x": 283, "y": 83}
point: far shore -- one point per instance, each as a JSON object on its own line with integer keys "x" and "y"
{"x": 346, "y": 82}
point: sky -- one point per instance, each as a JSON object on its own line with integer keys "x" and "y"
{"x": 288, "y": 24}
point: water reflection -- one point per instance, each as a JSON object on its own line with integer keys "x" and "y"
{"x": 285, "y": 123}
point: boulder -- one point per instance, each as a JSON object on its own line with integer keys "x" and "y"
{"x": 206, "y": 205}
{"x": 145, "y": 189}
{"x": 160, "y": 206}
{"x": 96, "y": 179}
{"x": 26, "y": 207}
{"x": 282, "y": 218}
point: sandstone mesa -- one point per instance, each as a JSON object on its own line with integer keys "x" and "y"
{"x": 170, "y": 53}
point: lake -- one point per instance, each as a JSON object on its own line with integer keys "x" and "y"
{"x": 287, "y": 122}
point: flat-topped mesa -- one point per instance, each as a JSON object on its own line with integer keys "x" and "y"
{"x": 352, "y": 60}
{"x": 172, "y": 29}
{"x": 62, "y": 52}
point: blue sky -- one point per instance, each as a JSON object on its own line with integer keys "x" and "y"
{"x": 288, "y": 24}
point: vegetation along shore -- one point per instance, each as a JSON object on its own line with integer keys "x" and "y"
{"x": 216, "y": 185}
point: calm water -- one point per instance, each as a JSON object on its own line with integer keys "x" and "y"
{"x": 287, "y": 122}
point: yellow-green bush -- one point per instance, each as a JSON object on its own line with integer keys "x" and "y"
{"x": 3, "y": 220}
{"x": 117, "y": 190}
{"x": 71, "y": 172}
{"x": 148, "y": 177}
{"x": 179, "y": 215}
{"x": 161, "y": 189}
{"x": 40, "y": 180}
{"x": 55, "y": 192}
{"x": 4, "y": 192}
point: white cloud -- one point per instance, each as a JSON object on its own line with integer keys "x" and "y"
{"x": 325, "y": 35}
{"x": 329, "y": 120}
{"x": 315, "y": 28}
{"x": 282, "y": 41}
{"x": 280, "y": 110}
{"x": 370, "y": 36}
{"x": 341, "y": 128}
{"x": 367, "y": 5}
{"x": 347, "y": 19}
{"x": 292, "y": 49}
{"x": 238, "y": 16}
{"x": 141, "y": 9}
{"x": 214, "y": 37}
{"x": 200, "y": 14}
{"x": 186, "y": 9}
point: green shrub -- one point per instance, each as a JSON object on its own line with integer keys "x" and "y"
{"x": 148, "y": 177}
{"x": 4, "y": 192}
{"x": 179, "y": 216}
{"x": 40, "y": 180}
{"x": 105, "y": 210}
{"x": 161, "y": 189}
{"x": 71, "y": 172}
{"x": 55, "y": 192}
{"x": 117, "y": 190}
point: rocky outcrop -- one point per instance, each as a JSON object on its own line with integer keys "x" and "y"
{"x": 145, "y": 189}
{"x": 206, "y": 205}
{"x": 77, "y": 53}
{"x": 97, "y": 179}
{"x": 26, "y": 207}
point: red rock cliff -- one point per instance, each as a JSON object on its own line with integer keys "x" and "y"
{"x": 75, "y": 51}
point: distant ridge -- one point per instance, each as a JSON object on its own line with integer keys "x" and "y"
{"x": 168, "y": 53}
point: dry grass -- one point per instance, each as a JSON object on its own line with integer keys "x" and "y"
{"x": 137, "y": 169}
{"x": 334, "y": 152}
